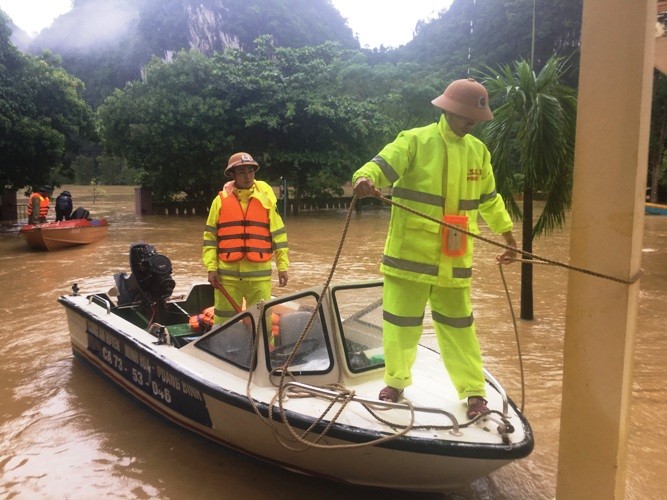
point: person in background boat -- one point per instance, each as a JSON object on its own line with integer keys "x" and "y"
{"x": 445, "y": 172}
{"x": 243, "y": 232}
{"x": 38, "y": 205}
{"x": 63, "y": 206}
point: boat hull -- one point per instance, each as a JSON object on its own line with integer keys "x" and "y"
{"x": 157, "y": 376}
{"x": 63, "y": 234}
{"x": 655, "y": 209}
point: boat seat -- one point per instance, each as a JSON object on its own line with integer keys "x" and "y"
{"x": 292, "y": 325}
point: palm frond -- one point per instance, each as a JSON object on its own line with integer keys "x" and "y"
{"x": 532, "y": 135}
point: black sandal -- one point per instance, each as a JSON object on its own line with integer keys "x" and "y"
{"x": 476, "y": 407}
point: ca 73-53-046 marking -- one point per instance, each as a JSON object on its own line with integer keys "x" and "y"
{"x": 152, "y": 377}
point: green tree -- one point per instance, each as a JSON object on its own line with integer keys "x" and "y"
{"x": 43, "y": 118}
{"x": 288, "y": 107}
{"x": 297, "y": 114}
{"x": 491, "y": 32}
{"x": 172, "y": 126}
{"x": 531, "y": 139}
{"x": 403, "y": 90}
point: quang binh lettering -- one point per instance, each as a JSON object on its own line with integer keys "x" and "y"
{"x": 191, "y": 391}
{"x": 168, "y": 378}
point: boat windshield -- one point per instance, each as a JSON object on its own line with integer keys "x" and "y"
{"x": 285, "y": 324}
{"x": 359, "y": 313}
{"x": 233, "y": 342}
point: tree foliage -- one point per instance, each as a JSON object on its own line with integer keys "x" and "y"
{"x": 531, "y": 140}
{"x": 172, "y": 126}
{"x": 491, "y": 32}
{"x": 290, "y": 108}
{"x": 657, "y": 166}
{"x": 43, "y": 118}
{"x": 532, "y": 135}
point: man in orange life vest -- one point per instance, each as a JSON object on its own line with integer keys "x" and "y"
{"x": 38, "y": 205}
{"x": 243, "y": 231}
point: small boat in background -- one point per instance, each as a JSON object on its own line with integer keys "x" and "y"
{"x": 62, "y": 234}
{"x": 656, "y": 209}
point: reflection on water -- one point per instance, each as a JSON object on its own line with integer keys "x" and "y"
{"x": 66, "y": 432}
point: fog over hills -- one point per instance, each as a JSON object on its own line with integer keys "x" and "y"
{"x": 91, "y": 25}
{"x": 106, "y": 42}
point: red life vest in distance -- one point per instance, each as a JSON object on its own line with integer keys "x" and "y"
{"x": 243, "y": 235}
{"x": 43, "y": 205}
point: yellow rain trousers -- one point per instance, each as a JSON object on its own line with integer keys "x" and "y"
{"x": 253, "y": 291}
{"x": 404, "y": 303}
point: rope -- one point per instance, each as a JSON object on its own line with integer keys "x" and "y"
{"x": 529, "y": 255}
{"x": 344, "y": 397}
{"x": 516, "y": 338}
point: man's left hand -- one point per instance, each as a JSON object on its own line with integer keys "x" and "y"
{"x": 509, "y": 255}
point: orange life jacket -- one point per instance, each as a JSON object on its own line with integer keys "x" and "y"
{"x": 242, "y": 235}
{"x": 43, "y": 205}
{"x": 275, "y": 331}
{"x": 203, "y": 322}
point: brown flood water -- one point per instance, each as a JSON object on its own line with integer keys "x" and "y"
{"x": 68, "y": 433}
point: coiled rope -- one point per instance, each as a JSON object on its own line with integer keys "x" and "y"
{"x": 344, "y": 397}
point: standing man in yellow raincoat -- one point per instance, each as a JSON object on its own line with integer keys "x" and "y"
{"x": 443, "y": 171}
{"x": 242, "y": 234}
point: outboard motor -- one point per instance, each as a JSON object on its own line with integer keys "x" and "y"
{"x": 152, "y": 272}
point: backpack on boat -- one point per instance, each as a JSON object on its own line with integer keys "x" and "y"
{"x": 80, "y": 213}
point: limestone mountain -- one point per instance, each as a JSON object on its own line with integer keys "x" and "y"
{"x": 106, "y": 42}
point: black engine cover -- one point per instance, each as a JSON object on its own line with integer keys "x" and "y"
{"x": 152, "y": 272}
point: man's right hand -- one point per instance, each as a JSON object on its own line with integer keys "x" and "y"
{"x": 213, "y": 279}
{"x": 364, "y": 187}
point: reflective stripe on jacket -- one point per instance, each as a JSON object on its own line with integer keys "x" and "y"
{"x": 242, "y": 235}
{"x": 436, "y": 172}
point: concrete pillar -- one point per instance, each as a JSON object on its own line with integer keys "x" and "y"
{"x": 615, "y": 90}
{"x": 143, "y": 203}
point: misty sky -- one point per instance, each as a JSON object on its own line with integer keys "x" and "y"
{"x": 376, "y": 22}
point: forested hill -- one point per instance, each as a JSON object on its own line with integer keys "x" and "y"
{"x": 471, "y": 34}
{"x": 106, "y": 42}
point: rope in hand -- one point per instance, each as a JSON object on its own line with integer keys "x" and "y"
{"x": 529, "y": 255}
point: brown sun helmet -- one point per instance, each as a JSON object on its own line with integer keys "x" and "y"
{"x": 467, "y": 98}
{"x": 238, "y": 159}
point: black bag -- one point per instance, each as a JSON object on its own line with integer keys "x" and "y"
{"x": 81, "y": 213}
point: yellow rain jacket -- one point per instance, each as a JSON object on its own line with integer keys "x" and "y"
{"x": 243, "y": 268}
{"x": 436, "y": 172}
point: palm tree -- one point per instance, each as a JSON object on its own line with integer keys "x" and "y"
{"x": 531, "y": 140}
